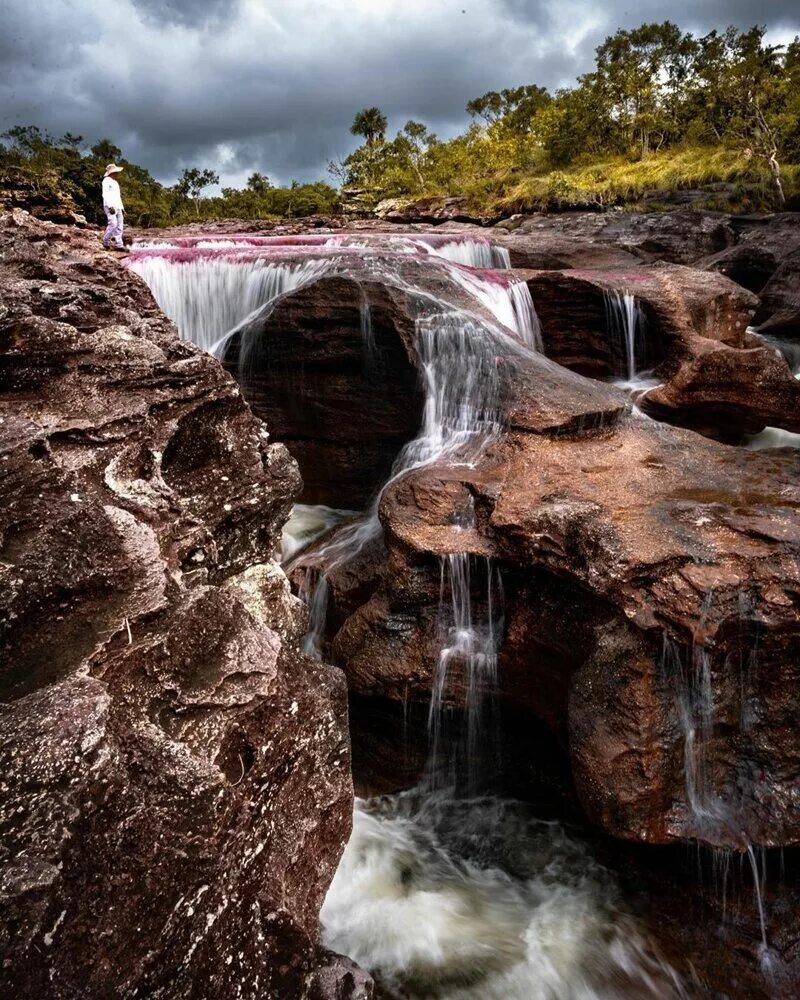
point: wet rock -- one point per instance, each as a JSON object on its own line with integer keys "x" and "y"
{"x": 714, "y": 377}
{"x": 679, "y": 237}
{"x": 332, "y": 368}
{"x": 176, "y": 783}
{"x": 779, "y": 312}
{"x": 314, "y": 373}
{"x": 428, "y": 210}
{"x": 748, "y": 265}
{"x": 616, "y": 538}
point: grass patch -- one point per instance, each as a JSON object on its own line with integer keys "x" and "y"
{"x": 726, "y": 178}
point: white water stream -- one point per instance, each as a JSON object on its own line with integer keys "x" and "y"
{"x": 446, "y": 892}
{"x": 627, "y": 323}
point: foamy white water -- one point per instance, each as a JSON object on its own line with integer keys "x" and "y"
{"x": 772, "y": 437}
{"x": 626, "y": 325}
{"x": 306, "y": 524}
{"x": 476, "y": 900}
{"x": 207, "y": 297}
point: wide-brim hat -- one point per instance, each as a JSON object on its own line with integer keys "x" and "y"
{"x": 112, "y": 168}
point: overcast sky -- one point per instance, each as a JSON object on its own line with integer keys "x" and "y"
{"x": 272, "y": 85}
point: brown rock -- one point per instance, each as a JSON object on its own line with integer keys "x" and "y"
{"x": 176, "y": 784}
{"x": 312, "y": 377}
{"x": 614, "y": 536}
{"x": 716, "y": 379}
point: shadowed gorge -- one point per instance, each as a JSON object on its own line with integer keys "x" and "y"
{"x": 399, "y": 501}
{"x": 534, "y": 552}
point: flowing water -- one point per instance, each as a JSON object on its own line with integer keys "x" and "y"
{"x": 772, "y": 437}
{"x": 208, "y": 296}
{"x": 477, "y": 899}
{"x": 448, "y": 891}
{"x": 788, "y": 349}
{"x": 627, "y": 327}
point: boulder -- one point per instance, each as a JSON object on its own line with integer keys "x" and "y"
{"x": 630, "y": 554}
{"x": 332, "y": 366}
{"x": 779, "y": 312}
{"x": 176, "y": 781}
{"x": 715, "y": 377}
{"x": 314, "y": 372}
{"x": 40, "y": 193}
{"x": 639, "y": 562}
{"x": 432, "y": 210}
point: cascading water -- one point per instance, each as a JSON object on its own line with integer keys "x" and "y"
{"x": 208, "y": 296}
{"x": 461, "y": 415}
{"x": 626, "y": 323}
{"x": 449, "y": 892}
{"x": 469, "y": 636}
{"x": 306, "y": 525}
{"x": 713, "y": 817}
{"x": 443, "y": 891}
{"x": 708, "y": 815}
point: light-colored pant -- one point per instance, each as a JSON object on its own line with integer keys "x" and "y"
{"x": 114, "y": 228}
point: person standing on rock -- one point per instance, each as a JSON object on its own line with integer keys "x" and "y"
{"x": 115, "y": 212}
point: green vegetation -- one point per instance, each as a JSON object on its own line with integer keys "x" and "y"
{"x": 62, "y": 165}
{"x": 660, "y": 112}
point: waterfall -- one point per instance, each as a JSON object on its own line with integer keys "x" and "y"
{"x": 317, "y": 596}
{"x": 461, "y": 415}
{"x": 441, "y": 891}
{"x": 471, "y": 251}
{"x": 367, "y": 334}
{"x": 709, "y": 815}
{"x": 307, "y": 523}
{"x": 690, "y": 675}
{"x": 626, "y": 324}
{"x": 469, "y": 636}
{"x": 474, "y": 253}
{"x": 772, "y": 437}
{"x": 208, "y": 296}
{"x": 527, "y": 322}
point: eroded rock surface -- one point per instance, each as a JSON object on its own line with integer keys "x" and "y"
{"x": 634, "y": 557}
{"x": 176, "y": 787}
{"x": 617, "y": 541}
{"x": 714, "y": 376}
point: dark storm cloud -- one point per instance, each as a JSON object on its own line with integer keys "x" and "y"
{"x": 689, "y": 14}
{"x": 273, "y": 86}
{"x": 188, "y": 12}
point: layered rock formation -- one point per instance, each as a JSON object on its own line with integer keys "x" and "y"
{"x": 641, "y": 563}
{"x": 715, "y": 377}
{"x": 176, "y": 786}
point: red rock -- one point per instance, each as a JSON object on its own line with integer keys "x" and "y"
{"x": 176, "y": 780}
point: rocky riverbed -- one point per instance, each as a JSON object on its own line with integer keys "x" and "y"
{"x": 554, "y": 426}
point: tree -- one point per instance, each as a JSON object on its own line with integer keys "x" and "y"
{"x": 105, "y": 151}
{"x": 70, "y": 141}
{"x": 28, "y": 140}
{"x": 753, "y": 94}
{"x": 638, "y": 69}
{"x": 192, "y": 182}
{"x": 258, "y": 182}
{"x": 515, "y": 106}
{"x": 413, "y": 142}
{"x": 371, "y": 124}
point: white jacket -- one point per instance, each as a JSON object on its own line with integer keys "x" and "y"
{"x": 112, "y": 196}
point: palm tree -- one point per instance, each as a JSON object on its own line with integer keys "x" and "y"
{"x": 371, "y": 123}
